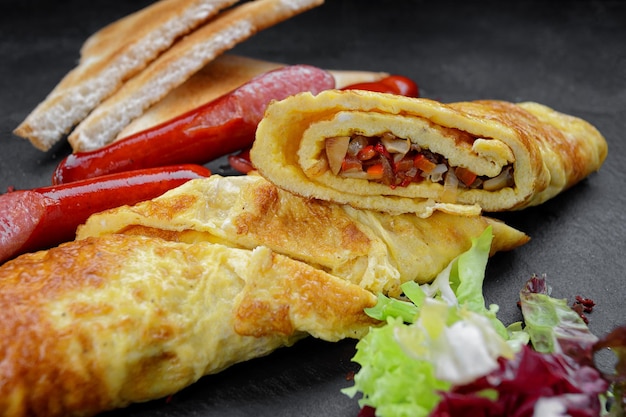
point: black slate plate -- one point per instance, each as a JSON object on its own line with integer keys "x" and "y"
{"x": 569, "y": 55}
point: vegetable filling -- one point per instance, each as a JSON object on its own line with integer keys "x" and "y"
{"x": 398, "y": 162}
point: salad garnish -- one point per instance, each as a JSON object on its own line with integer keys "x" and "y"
{"x": 442, "y": 352}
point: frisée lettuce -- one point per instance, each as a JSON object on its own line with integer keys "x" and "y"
{"x": 443, "y": 352}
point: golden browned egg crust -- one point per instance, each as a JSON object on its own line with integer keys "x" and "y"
{"x": 375, "y": 250}
{"x": 102, "y": 322}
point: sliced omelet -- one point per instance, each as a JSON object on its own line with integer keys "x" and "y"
{"x": 375, "y": 250}
{"x": 399, "y": 154}
{"x": 100, "y": 323}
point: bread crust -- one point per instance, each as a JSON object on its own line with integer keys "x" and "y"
{"x": 172, "y": 68}
{"x": 224, "y": 74}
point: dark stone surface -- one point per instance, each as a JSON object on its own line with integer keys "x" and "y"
{"x": 569, "y": 55}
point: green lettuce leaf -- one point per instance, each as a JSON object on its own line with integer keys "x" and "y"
{"x": 391, "y": 381}
{"x": 442, "y": 334}
{"x": 553, "y": 326}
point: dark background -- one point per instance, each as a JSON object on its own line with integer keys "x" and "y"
{"x": 570, "y": 55}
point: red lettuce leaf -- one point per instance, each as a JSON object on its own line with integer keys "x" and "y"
{"x": 521, "y": 383}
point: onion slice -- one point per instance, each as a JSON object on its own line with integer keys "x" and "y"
{"x": 450, "y": 187}
{"x": 336, "y": 148}
{"x": 496, "y": 183}
{"x": 395, "y": 145}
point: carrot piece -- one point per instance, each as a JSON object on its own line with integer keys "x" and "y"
{"x": 466, "y": 176}
{"x": 423, "y": 163}
{"x": 375, "y": 171}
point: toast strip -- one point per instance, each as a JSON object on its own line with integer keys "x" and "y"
{"x": 219, "y": 77}
{"x": 177, "y": 64}
{"x": 110, "y": 57}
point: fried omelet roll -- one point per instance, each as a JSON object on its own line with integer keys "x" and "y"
{"x": 375, "y": 250}
{"x": 103, "y": 322}
{"x": 399, "y": 154}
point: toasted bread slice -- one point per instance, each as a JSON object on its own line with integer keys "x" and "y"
{"x": 110, "y": 57}
{"x": 177, "y": 64}
{"x": 219, "y": 77}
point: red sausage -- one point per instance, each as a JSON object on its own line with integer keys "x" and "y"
{"x": 217, "y": 128}
{"x": 44, "y": 217}
{"x": 20, "y": 213}
{"x": 241, "y": 161}
{"x": 393, "y": 84}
